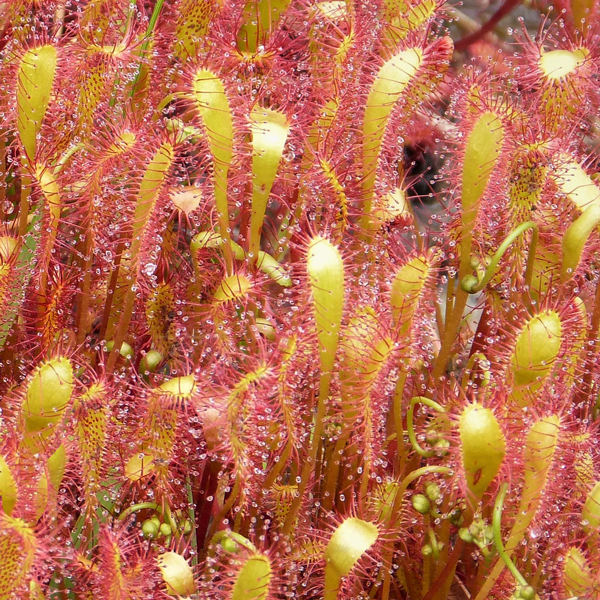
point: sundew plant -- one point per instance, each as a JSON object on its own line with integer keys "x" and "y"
{"x": 298, "y": 299}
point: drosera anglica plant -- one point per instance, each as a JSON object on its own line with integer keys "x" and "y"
{"x": 243, "y": 356}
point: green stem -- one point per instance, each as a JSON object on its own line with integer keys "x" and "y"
{"x": 135, "y": 507}
{"x": 409, "y": 479}
{"x": 496, "y": 525}
{"x": 388, "y": 551}
{"x": 434, "y": 543}
{"x": 170, "y": 520}
{"x": 410, "y": 423}
{"x": 470, "y": 285}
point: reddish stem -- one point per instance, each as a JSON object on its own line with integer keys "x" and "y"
{"x": 504, "y": 10}
{"x": 447, "y": 572}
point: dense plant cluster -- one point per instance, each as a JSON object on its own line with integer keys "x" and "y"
{"x": 297, "y": 302}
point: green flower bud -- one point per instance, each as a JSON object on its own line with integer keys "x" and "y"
{"x": 527, "y": 592}
{"x": 476, "y": 527}
{"x": 441, "y": 447}
{"x": 150, "y": 361}
{"x": 433, "y": 492}
{"x": 126, "y": 350}
{"x": 150, "y": 529}
{"x": 488, "y": 533}
{"x": 465, "y": 535}
{"x": 421, "y": 504}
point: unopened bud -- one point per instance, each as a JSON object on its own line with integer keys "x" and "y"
{"x": 465, "y": 535}
{"x": 433, "y": 491}
{"x": 150, "y": 361}
{"x": 441, "y": 447}
{"x": 421, "y": 504}
{"x": 488, "y": 533}
{"x": 150, "y": 529}
{"x": 527, "y": 592}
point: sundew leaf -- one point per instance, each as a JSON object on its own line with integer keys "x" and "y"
{"x": 8, "y": 487}
{"x": 483, "y": 447}
{"x": 153, "y": 180}
{"x": 35, "y": 81}
{"x": 91, "y": 429}
{"x": 575, "y": 238}
{"x": 91, "y": 92}
{"x": 482, "y": 151}
{"x": 406, "y": 291}
{"x": 177, "y": 574}
{"x": 18, "y": 546}
{"x": 253, "y": 579}
{"x": 48, "y": 395}
{"x": 559, "y": 64}
{"x": 192, "y": 27}
{"x": 259, "y": 19}
{"x": 540, "y": 447}
{"x": 572, "y": 180}
{"x": 213, "y": 108}
{"x": 577, "y": 575}
{"x": 403, "y": 18}
{"x": 326, "y": 277}
{"x": 389, "y": 85}
{"x": 270, "y": 130}
{"x": 350, "y": 541}
{"x": 536, "y": 349}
